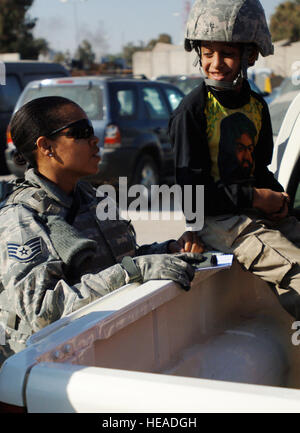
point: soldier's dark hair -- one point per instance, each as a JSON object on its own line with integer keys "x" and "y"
{"x": 35, "y": 119}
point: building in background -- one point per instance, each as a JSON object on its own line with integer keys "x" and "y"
{"x": 168, "y": 59}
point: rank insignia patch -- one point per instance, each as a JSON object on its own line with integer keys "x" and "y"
{"x": 26, "y": 252}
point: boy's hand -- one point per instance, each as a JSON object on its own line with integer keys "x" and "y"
{"x": 273, "y": 204}
{"x": 189, "y": 242}
{"x": 281, "y": 214}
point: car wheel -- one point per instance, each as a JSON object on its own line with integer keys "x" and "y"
{"x": 146, "y": 174}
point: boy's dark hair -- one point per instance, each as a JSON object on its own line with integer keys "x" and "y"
{"x": 37, "y": 118}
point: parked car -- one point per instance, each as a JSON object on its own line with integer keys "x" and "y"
{"x": 130, "y": 117}
{"x": 18, "y": 75}
{"x": 286, "y": 92}
{"x": 186, "y": 83}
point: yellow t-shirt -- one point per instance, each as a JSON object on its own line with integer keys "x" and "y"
{"x": 232, "y": 136}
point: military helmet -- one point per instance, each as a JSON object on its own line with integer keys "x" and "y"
{"x": 241, "y": 21}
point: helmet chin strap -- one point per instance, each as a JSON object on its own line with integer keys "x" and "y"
{"x": 224, "y": 85}
{"x": 228, "y": 85}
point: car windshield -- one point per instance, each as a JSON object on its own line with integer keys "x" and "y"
{"x": 89, "y": 99}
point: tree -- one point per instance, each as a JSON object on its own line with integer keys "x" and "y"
{"x": 97, "y": 38}
{"x": 85, "y": 54}
{"x": 163, "y": 37}
{"x": 16, "y": 29}
{"x": 285, "y": 22}
{"x": 130, "y": 48}
{"x": 63, "y": 57}
{"x": 30, "y": 48}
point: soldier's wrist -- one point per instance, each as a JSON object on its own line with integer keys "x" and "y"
{"x": 132, "y": 272}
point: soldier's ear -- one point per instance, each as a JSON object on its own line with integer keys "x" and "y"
{"x": 44, "y": 146}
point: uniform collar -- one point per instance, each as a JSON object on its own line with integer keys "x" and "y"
{"x": 51, "y": 189}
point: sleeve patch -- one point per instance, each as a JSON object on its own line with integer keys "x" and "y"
{"x": 26, "y": 252}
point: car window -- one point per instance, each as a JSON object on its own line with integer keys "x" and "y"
{"x": 9, "y": 93}
{"x": 174, "y": 97}
{"x": 186, "y": 85}
{"x": 155, "y": 105}
{"x": 89, "y": 99}
{"x": 126, "y": 103}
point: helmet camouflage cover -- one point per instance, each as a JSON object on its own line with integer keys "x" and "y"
{"x": 242, "y": 21}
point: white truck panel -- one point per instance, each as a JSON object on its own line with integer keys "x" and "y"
{"x": 69, "y": 388}
{"x": 287, "y": 149}
{"x": 228, "y": 327}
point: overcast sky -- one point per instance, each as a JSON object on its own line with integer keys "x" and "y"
{"x": 110, "y": 24}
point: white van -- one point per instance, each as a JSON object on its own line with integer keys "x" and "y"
{"x": 286, "y": 157}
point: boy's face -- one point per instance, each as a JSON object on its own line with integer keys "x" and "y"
{"x": 221, "y": 61}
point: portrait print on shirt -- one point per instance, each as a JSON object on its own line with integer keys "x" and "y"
{"x": 232, "y": 136}
{"x": 236, "y": 148}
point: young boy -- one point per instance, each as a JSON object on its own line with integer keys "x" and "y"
{"x": 222, "y": 138}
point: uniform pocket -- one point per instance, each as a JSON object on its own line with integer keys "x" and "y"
{"x": 227, "y": 229}
{"x": 248, "y": 251}
{"x": 259, "y": 257}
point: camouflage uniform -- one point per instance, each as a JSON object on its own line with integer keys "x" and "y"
{"x": 50, "y": 268}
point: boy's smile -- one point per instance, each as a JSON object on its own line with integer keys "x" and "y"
{"x": 221, "y": 61}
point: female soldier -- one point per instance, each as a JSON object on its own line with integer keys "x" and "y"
{"x": 56, "y": 256}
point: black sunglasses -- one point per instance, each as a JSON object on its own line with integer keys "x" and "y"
{"x": 80, "y": 129}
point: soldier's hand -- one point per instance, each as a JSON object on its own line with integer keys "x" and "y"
{"x": 175, "y": 267}
{"x": 189, "y": 242}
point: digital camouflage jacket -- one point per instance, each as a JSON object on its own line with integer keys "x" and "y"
{"x": 56, "y": 256}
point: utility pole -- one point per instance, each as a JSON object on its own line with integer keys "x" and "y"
{"x": 76, "y": 25}
{"x": 186, "y": 12}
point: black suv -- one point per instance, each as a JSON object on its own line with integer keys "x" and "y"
{"x": 17, "y": 76}
{"x": 130, "y": 117}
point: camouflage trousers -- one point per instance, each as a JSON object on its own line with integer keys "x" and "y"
{"x": 270, "y": 250}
